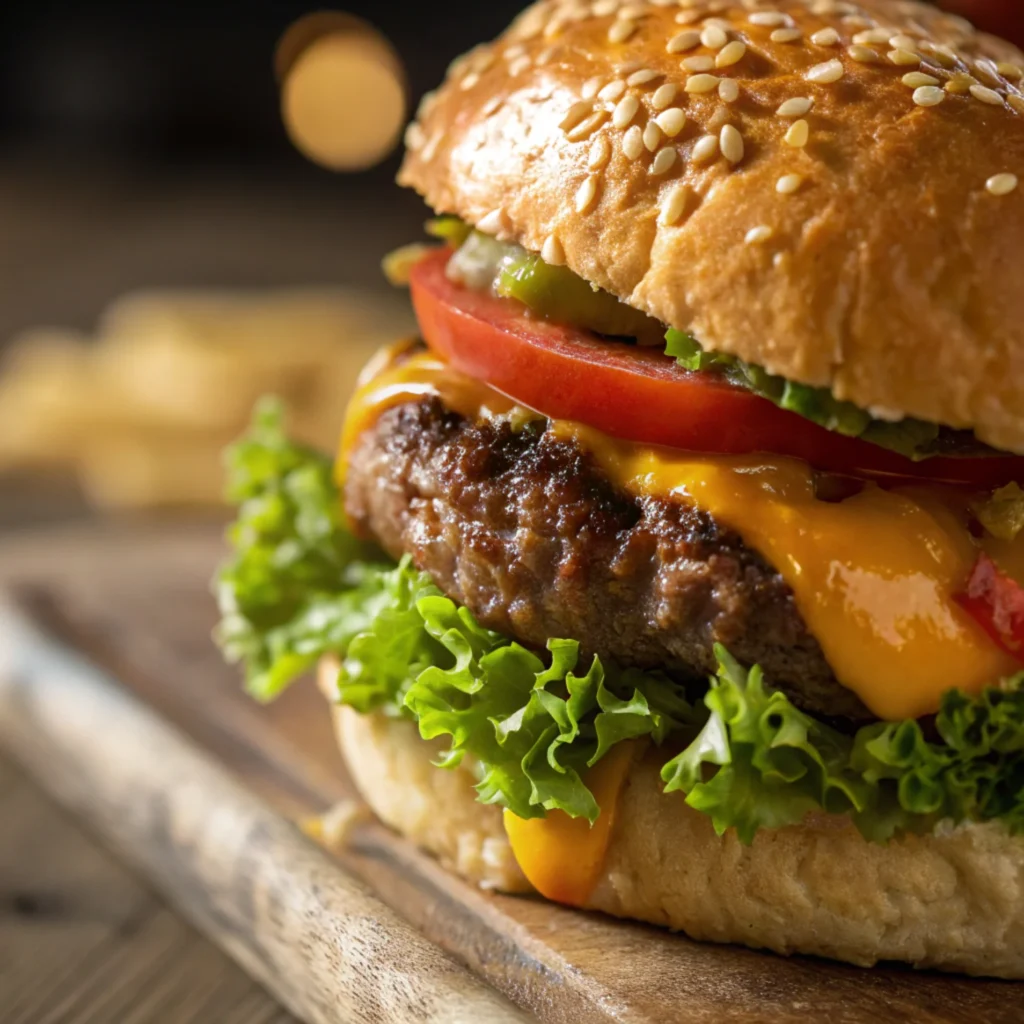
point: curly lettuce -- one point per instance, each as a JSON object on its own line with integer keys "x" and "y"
{"x": 299, "y": 586}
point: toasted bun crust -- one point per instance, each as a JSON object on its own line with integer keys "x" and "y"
{"x": 953, "y": 902}
{"x": 891, "y": 273}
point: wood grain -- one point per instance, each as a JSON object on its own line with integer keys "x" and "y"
{"x": 328, "y": 948}
{"x": 136, "y": 602}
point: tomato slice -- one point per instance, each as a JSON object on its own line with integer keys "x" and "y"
{"x": 997, "y": 604}
{"x": 641, "y": 394}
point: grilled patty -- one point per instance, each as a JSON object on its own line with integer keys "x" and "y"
{"x": 525, "y": 531}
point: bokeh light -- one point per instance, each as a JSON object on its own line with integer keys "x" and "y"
{"x": 343, "y": 95}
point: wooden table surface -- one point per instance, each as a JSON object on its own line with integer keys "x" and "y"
{"x": 83, "y": 939}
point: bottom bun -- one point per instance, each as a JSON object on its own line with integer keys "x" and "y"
{"x": 953, "y": 901}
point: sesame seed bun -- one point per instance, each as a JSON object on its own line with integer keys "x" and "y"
{"x": 768, "y": 177}
{"x": 953, "y": 902}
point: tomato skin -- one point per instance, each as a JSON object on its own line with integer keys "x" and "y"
{"x": 996, "y": 602}
{"x": 641, "y": 394}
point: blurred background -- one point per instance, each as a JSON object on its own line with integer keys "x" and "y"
{"x": 153, "y": 151}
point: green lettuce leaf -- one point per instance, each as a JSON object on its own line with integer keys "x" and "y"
{"x": 530, "y": 724}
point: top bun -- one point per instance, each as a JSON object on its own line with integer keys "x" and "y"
{"x": 826, "y": 189}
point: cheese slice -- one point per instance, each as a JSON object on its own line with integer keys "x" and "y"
{"x": 874, "y": 576}
{"x": 563, "y": 857}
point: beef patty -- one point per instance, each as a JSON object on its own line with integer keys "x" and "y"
{"x": 528, "y": 534}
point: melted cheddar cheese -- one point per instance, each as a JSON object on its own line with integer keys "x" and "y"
{"x": 562, "y": 857}
{"x": 873, "y": 576}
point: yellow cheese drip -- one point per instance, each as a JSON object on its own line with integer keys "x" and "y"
{"x": 873, "y": 576}
{"x": 562, "y": 857}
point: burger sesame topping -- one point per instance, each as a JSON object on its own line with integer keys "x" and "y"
{"x": 825, "y": 74}
{"x": 664, "y": 96}
{"x": 730, "y": 54}
{"x": 585, "y": 196}
{"x": 788, "y": 184}
{"x": 663, "y": 161}
{"x": 1001, "y": 184}
{"x": 671, "y": 121}
{"x": 757, "y": 236}
{"x": 928, "y": 96}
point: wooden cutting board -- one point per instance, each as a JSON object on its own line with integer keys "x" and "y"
{"x": 113, "y": 695}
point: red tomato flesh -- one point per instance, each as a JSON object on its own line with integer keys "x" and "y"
{"x": 997, "y": 603}
{"x": 642, "y": 395}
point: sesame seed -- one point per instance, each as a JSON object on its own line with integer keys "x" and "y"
{"x": 633, "y": 11}
{"x": 1001, "y": 184}
{"x": 414, "y": 137}
{"x": 652, "y": 136}
{"x": 604, "y": 7}
{"x": 688, "y": 40}
{"x": 768, "y": 19}
{"x": 986, "y": 95}
{"x": 902, "y": 42}
{"x": 730, "y": 54}
{"x": 1011, "y": 71}
{"x": 986, "y": 71}
{"x": 689, "y": 17}
{"x": 713, "y": 37}
{"x": 904, "y": 58}
{"x": 663, "y": 161}
{"x": 798, "y": 106}
{"x": 788, "y": 184}
{"x": 786, "y": 35}
{"x": 633, "y": 143}
{"x": 493, "y": 223}
{"x": 613, "y": 91}
{"x": 429, "y": 150}
{"x": 600, "y": 153}
{"x": 625, "y": 111}
{"x": 928, "y": 96}
{"x": 862, "y": 54}
{"x": 552, "y": 252}
{"x": 469, "y": 81}
{"x": 705, "y": 148}
{"x": 516, "y": 50}
{"x": 722, "y": 23}
{"x": 917, "y": 79}
{"x": 755, "y": 236}
{"x": 591, "y": 87}
{"x": 519, "y": 65}
{"x": 942, "y": 54}
{"x": 701, "y": 83}
{"x": 587, "y": 126}
{"x": 671, "y": 121}
{"x": 621, "y": 31}
{"x": 825, "y": 74}
{"x": 545, "y": 56}
{"x": 826, "y": 37}
{"x": 554, "y": 26}
{"x": 1017, "y": 102}
{"x": 959, "y": 83}
{"x": 872, "y": 36}
{"x": 798, "y": 134}
{"x": 491, "y": 106}
{"x": 729, "y": 90}
{"x": 676, "y": 204}
{"x": 695, "y": 64}
{"x": 643, "y": 76}
{"x": 629, "y": 66}
{"x": 731, "y": 143}
{"x": 664, "y": 96}
{"x": 586, "y": 194}
{"x": 576, "y": 113}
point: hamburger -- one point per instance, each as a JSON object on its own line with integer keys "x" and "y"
{"x": 675, "y": 569}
